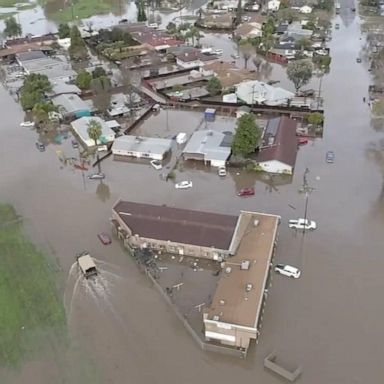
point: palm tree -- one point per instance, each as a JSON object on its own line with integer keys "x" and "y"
{"x": 94, "y": 132}
{"x": 40, "y": 113}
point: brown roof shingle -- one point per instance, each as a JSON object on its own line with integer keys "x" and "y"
{"x": 284, "y": 146}
{"x": 178, "y": 225}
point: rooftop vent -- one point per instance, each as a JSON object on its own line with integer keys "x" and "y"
{"x": 244, "y": 265}
{"x": 222, "y": 302}
{"x": 228, "y": 270}
{"x": 256, "y": 222}
{"x": 248, "y": 287}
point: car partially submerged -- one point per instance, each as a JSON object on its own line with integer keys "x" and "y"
{"x": 246, "y": 192}
{"x": 288, "y": 270}
{"x": 302, "y": 224}
{"x": 86, "y": 264}
{"x": 184, "y": 185}
{"x": 156, "y": 164}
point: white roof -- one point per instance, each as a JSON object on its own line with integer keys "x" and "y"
{"x": 141, "y": 144}
{"x": 71, "y": 103}
{"x": 255, "y": 91}
{"x": 213, "y": 145}
{"x": 81, "y": 128}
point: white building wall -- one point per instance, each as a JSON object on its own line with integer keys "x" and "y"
{"x": 275, "y": 166}
{"x": 152, "y": 156}
{"x": 189, "y": 64}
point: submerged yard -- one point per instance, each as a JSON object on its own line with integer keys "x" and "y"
{"x": 32, "y": 313}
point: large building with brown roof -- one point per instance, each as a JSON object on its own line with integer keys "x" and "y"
{"x": 175, "y": 230}
{"x": 277, "y": 153}
{"x": 243, "y": 245}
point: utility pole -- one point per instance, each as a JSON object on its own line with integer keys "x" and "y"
{"x": 307, "y": 189}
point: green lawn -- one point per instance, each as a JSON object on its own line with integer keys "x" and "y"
{"x": 83, "y": 9}
{"x": 31, "y": 310}
{"x": 11, "y": 3}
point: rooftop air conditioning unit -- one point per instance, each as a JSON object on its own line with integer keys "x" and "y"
{"x": 244, "y": 265}
{"x": 216, "y": 318}
{"x": 256, "y": 223}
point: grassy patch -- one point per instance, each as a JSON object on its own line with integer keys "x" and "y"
{"x": 6, "y": 15}
{"x": 11, "y": 3}
{"x": 31, "y": 310}
{"x": 378, "y": 108}
{"x": 82, "y": 9}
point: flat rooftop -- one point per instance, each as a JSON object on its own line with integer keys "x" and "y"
{"x": 231, "y": 302}
{"x": 178, "y": 225}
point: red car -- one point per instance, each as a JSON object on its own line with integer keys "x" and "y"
{"x": 104, "y": 238}
{"x": 246, "y": 192}
{"x": 302, "y": 141}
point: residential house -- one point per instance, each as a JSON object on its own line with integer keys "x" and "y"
{"x": 127, "y": 146}
{"x": 210, "y": 146}
{"x": 61, "y": 88}
{"x": 296, "y": 31}
{"x": 80, "y": 128}
{"x": 56, "y": 69}
{"x": 258, "y": 92}
{"x": 193, "y": 58}
{"x": 248, "y": 30}
{"x": 71, "y": 106}
{"x": 278, "y": 150}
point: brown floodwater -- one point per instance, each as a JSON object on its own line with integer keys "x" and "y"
{"x": 329, "y": 321}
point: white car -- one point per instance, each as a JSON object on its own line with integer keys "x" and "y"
{"x": 156, "y": 164}
{"x": 288, "y": 270}
{"x": 184, "y": 185}
{"x": 302, "y": 224}
{"x": 222, "y": 171}
{"x": 27, "y": 124}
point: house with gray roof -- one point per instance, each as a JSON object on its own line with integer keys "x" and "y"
{"x": 127, "y": 146}
{"x": 210, "y": 146}
{"x": 71, "y": 105}
{"x": 257, "y": 92}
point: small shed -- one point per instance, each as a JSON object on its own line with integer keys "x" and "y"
{"x": 210, "y": 114}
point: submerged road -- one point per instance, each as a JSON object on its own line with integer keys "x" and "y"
{"x": 329, "y": 321}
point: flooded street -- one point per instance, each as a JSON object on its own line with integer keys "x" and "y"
{"x": 328, "y": 321}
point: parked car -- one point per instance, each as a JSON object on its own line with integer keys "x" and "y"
{"x": 86, "y": 264}
{"x": 75, "y": 144}
{"x": 40, "y": 146}
{"x": 102, "y": 148}
{"x": 302, "y": 141}
{"x": 156, "y": 164}
{"x": 302, "y": 224}
{"x": 104, "y": 238}
{"x": 222, "y": 171}
{"x": 96, "y": 176}
{"x": 337, "y": 26}
{"x": 181, "y": 138}
{"x": 27, "y": 124}
{"x": 358, "y": 60}
{"x": 184, "y": 185}
{"x": 330, "y": 157}
{"x": 246, "y": 192}
{"x": 235, "y": 56}
{"x": 288, "y": 270}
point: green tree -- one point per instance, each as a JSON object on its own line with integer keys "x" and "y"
{"x": 247, "y": 135}
{"x": 64, "y": 31}
{"x": 77, "y": 50}
{"x": 12, "y": 27}
{"x": 246, "y": 50}
{"x": 315, "y": 118}
{"x": 40, "y": 113}
{"x": 98, "y": 72}
{"x": 239, "y": 12}
{"x": 321, "y": 62}
{"x": 214, "y": 86}
{"x": 101, "y": 88}
{"x": 83, "y": 79}
{"x": 171, "y": 27}
{"x": 95, "y": 131}
{"x": 32, "y": 92}
{"x": 303, "y": 44}
{"x": 299, "y": 72}
{"x": 141, "y": 15}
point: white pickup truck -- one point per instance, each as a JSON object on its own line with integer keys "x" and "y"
{"x": 302, "y": 224}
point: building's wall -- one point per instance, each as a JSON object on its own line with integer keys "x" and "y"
{"x": 242, "y": 335}
{"x": 135, "y": 241}
{"x": 151, "y": 155}
{"x": 189, "y": 64}
{"x": 218, "y": 163}
{"x": 275, "y": 166}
